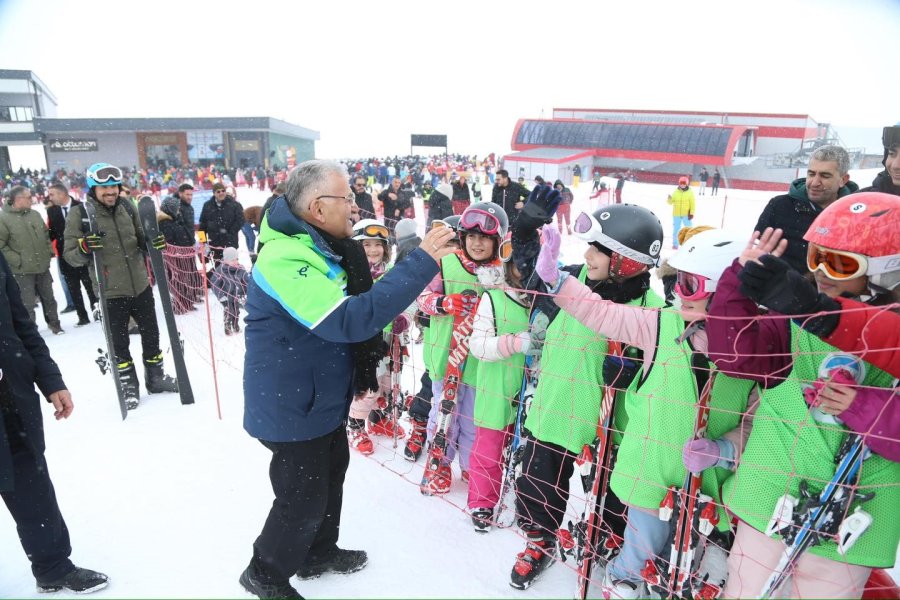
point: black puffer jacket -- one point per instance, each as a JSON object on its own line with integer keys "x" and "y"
{"x": 222, "y": 222}
{"x": 174, "y": 230}
{"x": 883, "y": 183}
{"x": 794, "y": 213}
{"x": 508, "y": 196}
{"x": 439, "y": 207}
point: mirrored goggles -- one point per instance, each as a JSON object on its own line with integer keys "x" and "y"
{"x": 584, "y": 225}
{"x": 109, "y": 175}
{"x": 836, "y": 264}
{"x": 690, "y": 286}
{"x": 481, "y": 220}
{"x": 376, "y": 231}
{"x": 505, "y": 251}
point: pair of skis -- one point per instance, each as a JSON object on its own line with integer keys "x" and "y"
{"x": 459, "y": 351}
{"x": 147, "y": 213}
{"x": 695, "y": 515}
{"x": 586, "y": 541}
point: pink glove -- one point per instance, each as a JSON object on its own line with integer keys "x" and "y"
{"x": 811, "y": 391}
{"x": 548, "y": 259}
{"x": 459, "y": 304}
{"x": 700, "y": 454}
{"x": 401, "y": 324}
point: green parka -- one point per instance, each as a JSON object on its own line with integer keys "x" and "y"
{"x": 24, "y": 241}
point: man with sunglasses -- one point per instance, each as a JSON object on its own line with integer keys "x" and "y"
{"x": 221, "y": 219}
{"x": 827, "y": 179}
{"x": 363, "y": 198}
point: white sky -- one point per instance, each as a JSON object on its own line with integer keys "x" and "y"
{"x": 367, "y": 74}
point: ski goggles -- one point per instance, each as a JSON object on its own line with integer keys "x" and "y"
{"x": 690, "y": 286}
{"x": 481, "y": 220}
{"x": 505, "y": 250}
{"x": 109, "y": 175}
{"x": 836, "y": 264}
{"x": 375, "y": 230}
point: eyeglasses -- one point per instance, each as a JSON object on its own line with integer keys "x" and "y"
{"x": 108, "y": 174}
{"x": 481, "y": 220}
{"x": 836, "y": 264}
{"x": 690, "y": 286}
{"x": 375, "y": 230}
{"x": 349, "y": 199}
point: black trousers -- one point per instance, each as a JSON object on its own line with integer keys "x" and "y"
{"x": 76, "y": 277}
{"x": 421, "y": 404}
{"x": 143, "y": 309}
{"x": 542, "y": 491}
{"x": 305, "y": 519}
{"x": 32, "y": 504}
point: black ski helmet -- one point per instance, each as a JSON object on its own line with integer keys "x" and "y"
{"x": 629, "y": 232}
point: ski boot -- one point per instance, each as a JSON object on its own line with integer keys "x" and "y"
{"x": 482, "y": 519}
{"x": 359, "y": 439}
{"x": 709, "y": 580}
{"x": 155, "y": 380}
{"x": 537, "y": 557}
{"x": 382, "y": 423}
{"x": 438, "y": 482}
{"x": 621, "y": 588}
{"x": 131, "y": 389}
{"x": 413, "y": 449}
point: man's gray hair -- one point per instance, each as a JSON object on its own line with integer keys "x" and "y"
{"x": 833, "y": 154}
{"x": 306, "y": 179}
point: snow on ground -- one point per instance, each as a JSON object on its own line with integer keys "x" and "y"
{"x": 169, "y": 501}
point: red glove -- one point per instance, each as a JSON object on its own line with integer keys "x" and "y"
{"x": 459, "y": 304}
{"x": 401, "y": 324}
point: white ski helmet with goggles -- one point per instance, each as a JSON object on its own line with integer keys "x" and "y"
{"x": 370, "y": 229}
{"x": 632, "y": 234}
{"x": 708, "y": 254}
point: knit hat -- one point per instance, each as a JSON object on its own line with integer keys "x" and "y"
{"x": 405, "y": 228}
{"x": 687, "y": 233}
{"x": 170, "y": 205}
{"x": 230, "y": 254}
{"x": 446, "y": 189}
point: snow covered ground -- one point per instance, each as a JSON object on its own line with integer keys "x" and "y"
{"x": 169, "y": 501}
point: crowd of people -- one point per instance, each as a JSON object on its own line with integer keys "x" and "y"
{"x": 773, "y": 336}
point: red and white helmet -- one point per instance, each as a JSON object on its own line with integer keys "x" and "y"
{"x": 867, "y": 226}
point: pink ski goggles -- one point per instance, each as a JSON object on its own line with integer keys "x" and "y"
{"x": 481, "y": 220}
{"x": 689, "y": 286}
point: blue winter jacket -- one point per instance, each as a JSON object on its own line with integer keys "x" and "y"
{"x": 298, "y": 371}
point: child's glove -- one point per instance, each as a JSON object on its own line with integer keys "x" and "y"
{"x": 159, "y": 242}
{"x": 548, "y": 259}
{"x": 458, "y": 304}
{"x": 91, "y": 242}
{"x": 401, "y": 324}
{"x": 542, "y": 203}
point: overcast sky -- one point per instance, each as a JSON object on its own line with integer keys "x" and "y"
{"x": 367, "y": 74}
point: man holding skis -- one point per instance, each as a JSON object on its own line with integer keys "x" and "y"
{"x": 120, "y": 241}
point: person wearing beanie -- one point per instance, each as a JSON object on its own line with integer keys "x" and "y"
{"x": 563, "y": 211}
{"x": 683, "y": 205}
{"x": 460, "y": 197}
{"x": 439, "y": 205}
{"x": 888, "y": 181}
{"x": 229, "y": 283}
{"x": 407, "y": 239}
{"x": 180, "y": 264}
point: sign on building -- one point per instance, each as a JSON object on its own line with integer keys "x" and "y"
{"x": 73, "y": 145}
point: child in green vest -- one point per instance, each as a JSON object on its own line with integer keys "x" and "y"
{"x": 854, "y": 247}
{"x": 658, "y": 412}
{"x": 566, "y": 406}
{"x": 499, "y": 341}
{"x": 371, "y": 405}
{"x": 482, "y": 227}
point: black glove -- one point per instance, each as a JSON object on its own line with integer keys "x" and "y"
{"x": 620, "y": 371}
{"x": 778, "y": 287}
{"x": 542, "y": 203}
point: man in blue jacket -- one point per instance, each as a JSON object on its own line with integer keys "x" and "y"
{"x": 313, "y": 339}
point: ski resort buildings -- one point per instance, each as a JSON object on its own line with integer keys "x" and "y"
{"x": 757, "y": 151}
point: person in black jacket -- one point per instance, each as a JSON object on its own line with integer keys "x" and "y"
{"x": 363, "y": 198}
{"x": 827, "y": 179}
{"x": 221, "y": 219}
{"x": 185, "y": 194}
{"x": 73, "y": 277}
{"x": 508, "y": 194}
{"x": 439, "y": 203}
{"x": 888, "y": 181}
{"x": 181, "y": 266}
{"x": 25, "y": 484}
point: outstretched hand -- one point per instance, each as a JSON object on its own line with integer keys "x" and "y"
{"x": 548, "y": 259}
{"x": 769, "y": 242}
{"x": 435, "y": 242}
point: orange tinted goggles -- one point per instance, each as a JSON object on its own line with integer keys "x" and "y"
{"x": 834, "y": 263}
{"x": 505, "y": 250}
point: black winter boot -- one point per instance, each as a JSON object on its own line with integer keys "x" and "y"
{"x": 340, "y": 561}
{"x": 131, "y": 389}
{"x": 78, "y": 580}
{"x": 155, "y": 379}
{"x": 261, "y": 585}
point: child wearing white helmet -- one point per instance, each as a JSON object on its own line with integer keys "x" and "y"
{"x": 663, "y": 403}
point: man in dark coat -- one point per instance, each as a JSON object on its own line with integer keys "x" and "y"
{"x": 363, "y": 198}
{"x": 888, "y": 181}
{"x": 221, "y": 218}
{"x": 25, "y": 484}
{"x": 74, "y": 277}
{"x": 440, "y": 204}
{"x": 508, "y": 194}
{"x": 827, "y": 179}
